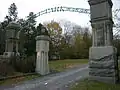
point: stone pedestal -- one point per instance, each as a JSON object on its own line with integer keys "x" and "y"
{"x": 42, "y": 48}
{"x": 11, "y": 46}
{"x": 103, "y": 61}
{"x": 103, "y": 64}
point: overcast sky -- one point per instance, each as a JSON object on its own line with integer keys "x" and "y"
{"x": 26, "y": 6}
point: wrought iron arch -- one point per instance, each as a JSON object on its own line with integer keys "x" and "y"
{"x": 79, "y": 10}
{"x": 72, "y": 9}
{"x": 63, "y": 9}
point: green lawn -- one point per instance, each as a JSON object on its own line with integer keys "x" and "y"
{"x": 94, "y": 85}
{"x": 61, "y": 65}
{"x": 18, "y": 80}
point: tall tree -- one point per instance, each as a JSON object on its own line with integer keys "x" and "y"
{"x": 12, "y": 16}
{"x": 29, "y": 31}
{"x": 2, "y": 38}
{"x": 12, "y": 10}
{"x": 55, "y": 32}
{"x": 31, "y": 22}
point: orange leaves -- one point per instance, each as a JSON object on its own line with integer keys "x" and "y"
{"x": 54, "y": 27}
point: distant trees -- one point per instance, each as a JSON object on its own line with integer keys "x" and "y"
{"x": 82, "y": 43}
{"x": 73, "y": 43}
{"x": 2, "y": 40}
{"x": 77, "y": 42}
{"x": 116, "y": 43}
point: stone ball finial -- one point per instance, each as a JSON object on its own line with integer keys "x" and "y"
{"x": 44, "y": 31}
{"x": 14, "y": 25}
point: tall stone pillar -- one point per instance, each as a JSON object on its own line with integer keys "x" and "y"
{"x": 11, "y": 39}
{"x": 102, "y": 55}
{"x": 42, "y": 49}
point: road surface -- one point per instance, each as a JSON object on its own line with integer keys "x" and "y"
{"x": 58, "y": 81}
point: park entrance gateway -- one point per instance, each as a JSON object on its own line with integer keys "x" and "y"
{"x": 103, "y": 63}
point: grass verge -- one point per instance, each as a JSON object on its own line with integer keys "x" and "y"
{"x": 61, "y": 65}
{"x": 18, "y": 80}
{"x": 94, "y": 85}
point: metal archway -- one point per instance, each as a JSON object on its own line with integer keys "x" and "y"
{"x": 63, "y": 9}
{"x": 79, "y": 10}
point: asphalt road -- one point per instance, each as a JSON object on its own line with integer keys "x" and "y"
{"x": 59, "y": 81}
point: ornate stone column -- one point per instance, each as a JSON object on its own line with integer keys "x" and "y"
{"x": 11, "y": 39}
{"x": 42, "y": 49}
{"x": 102, "y": 55}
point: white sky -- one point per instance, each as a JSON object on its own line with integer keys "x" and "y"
{"x": 26, "y": 6}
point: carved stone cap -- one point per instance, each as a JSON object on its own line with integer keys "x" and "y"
{"x": 101, "y": 19}
{"x": 13, "y": 25}
{"x": 93, "y": 2}
{"x": 43, "y": 37}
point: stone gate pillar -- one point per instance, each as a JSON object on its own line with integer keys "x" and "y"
{"x": 102, "y": 55}
{"x": 42, "y": 49}
{"x": 12, "y": 41}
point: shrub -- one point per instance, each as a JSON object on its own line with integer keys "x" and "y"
{"x": 6, "y": 69}
{"x": 25, "y": 65}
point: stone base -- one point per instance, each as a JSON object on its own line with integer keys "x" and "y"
{"x": 103, "y": 64}
{"x": 42, "y": 66}
{"x": 103, "y": 79}
{"x": 9, "y": 54}
{"x": 42, "y": 72}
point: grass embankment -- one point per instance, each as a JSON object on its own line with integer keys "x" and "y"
{"x": 18, "y": 79}
{"x": 95, "y": 85}
{"x": 61, "y": 65}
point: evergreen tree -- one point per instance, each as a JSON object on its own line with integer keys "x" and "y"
{"x": 12, "y": 11}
